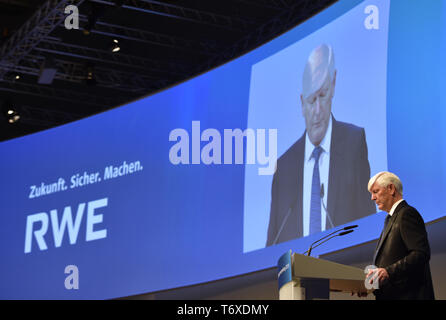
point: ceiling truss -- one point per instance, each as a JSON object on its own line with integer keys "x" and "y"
{"x": 155, "y": 58}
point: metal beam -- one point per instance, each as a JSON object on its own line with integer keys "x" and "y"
{"x": 41, "y": 24}
{"x": 269, "y": 4}
{"x": 202, "y": 46}
{"x": 18, "y": 3}
{"x": 104, "y": 56}
{"x": 44, "y": 117}
{"x": 186, "y": 14}
{"x": 288, "y": 18}
{"x": 59, "y": 94}
{"x": 107, "y": 78}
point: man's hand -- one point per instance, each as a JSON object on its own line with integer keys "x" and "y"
{"x": 380, "y": 274}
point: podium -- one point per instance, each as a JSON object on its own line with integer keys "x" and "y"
{"x": 305, "y": 278}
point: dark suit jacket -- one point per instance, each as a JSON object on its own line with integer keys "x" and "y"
{"x": 349, "y": 173}
{"x": 403, "y": 250}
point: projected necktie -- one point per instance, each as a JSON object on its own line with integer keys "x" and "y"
{"x": 315, "y": 204}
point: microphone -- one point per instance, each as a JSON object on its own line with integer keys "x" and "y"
{"x": 337, "y": 235}
{"x": 347, "y": 231}
{"x": 325, "y": 208}
{"x": 283, "y": 223}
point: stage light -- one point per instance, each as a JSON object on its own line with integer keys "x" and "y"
{"x": 115, "y": 46}
{"x": 92, "y": 19}
{"x": 96, "y": 12}
{"x": 12, "y": 76}
{"x": 91, "y": 79}
{"x": 10, "y": 112}
{"x": 14, "y": 118}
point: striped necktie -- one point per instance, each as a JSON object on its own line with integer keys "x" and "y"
{"x": 315, "y": 204}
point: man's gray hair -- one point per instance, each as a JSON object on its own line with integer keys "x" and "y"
{"x": 385, "y": 178}
{"x": 320, "y": 64}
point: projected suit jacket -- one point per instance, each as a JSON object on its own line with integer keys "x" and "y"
{"x": 349, "y": 173}
{"x": 403, "y": 250}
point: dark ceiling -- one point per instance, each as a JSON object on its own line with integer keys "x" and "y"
{"x": 161, "y": 44}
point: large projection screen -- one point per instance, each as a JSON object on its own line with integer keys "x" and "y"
{"x": 205, "y": 180}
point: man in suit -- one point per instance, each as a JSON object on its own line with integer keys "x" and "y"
{"x": 320, "y": 180}
{"x": 402, "y": 253}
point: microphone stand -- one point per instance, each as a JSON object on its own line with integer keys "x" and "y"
{"x": 323, "y": 205}
{"x": 337, "y": 235}
{"x": 308, "y": 252}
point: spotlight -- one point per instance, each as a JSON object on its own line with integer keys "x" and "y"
{"x": 89, "y": 26}
{"x": 91, "y": 79}
{"x": 11, "y": 112}
{"x": 115, "y": 46}
{"x": 96, "y": 12}
{"x": 14, "y": 118}
{"x": 12, "y": 76}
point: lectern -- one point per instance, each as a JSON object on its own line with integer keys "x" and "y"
{"x": 305, "y": 278}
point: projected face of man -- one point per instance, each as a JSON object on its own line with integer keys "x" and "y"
{"x": 318, "y": 89}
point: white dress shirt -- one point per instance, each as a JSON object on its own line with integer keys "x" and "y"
{"x": 392, "y": 210}
{"x": 324, "y": 164}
